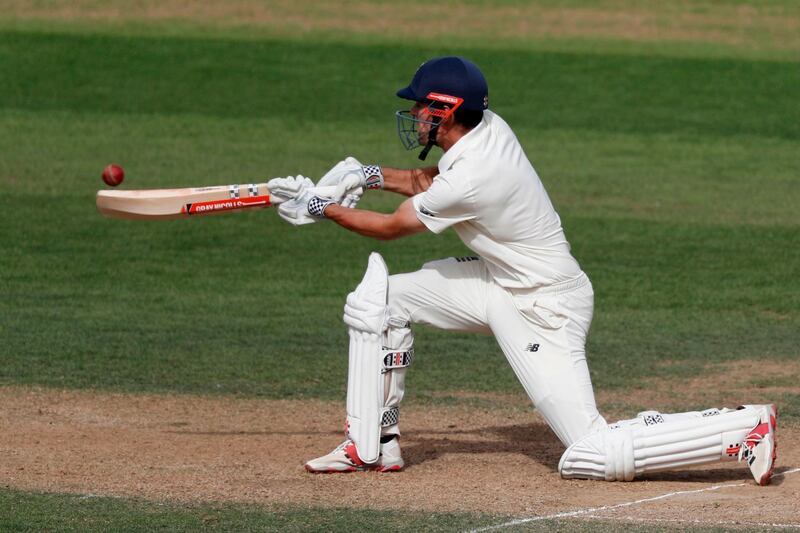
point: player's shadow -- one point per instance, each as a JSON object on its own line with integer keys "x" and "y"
{"x": 539, "y": 443}
{"x": 534, "y": 440}
{"x": 705, "y": 475}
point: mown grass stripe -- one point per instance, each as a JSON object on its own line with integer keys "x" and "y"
{"x": 309, "y": 82}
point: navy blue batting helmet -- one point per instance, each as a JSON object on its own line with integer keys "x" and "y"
{"x": 454, "y": 76}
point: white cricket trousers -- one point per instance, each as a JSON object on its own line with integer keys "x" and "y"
{"x": 541, "y": 332}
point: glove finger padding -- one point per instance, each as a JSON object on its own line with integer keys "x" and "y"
{"x": 351, "y": 200}
{"x": 284, "y": 189}
{"x": 350, "y": 185}
{"x": 331, "y": 177}
{"x": 295, "y": 218}
{"x": 283, "y": 186}
{"x": 295, "y": 211}
{"x": 342, "y": 168}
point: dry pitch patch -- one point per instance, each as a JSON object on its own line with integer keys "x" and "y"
{"x": 497, "y": 458}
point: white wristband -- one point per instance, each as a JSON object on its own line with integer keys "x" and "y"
{"x": 373, "y": 177}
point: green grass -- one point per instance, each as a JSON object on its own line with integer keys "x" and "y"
{"x": 692, "y": 28}
{"x": 302, "y": 82}
{"x": 29, "y": 511}
{"x": 675, "y": 179}
{"x": 26, "y": 511}
{"x": 673, "y": 166}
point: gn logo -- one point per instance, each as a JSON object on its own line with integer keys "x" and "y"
{"x": 532, "y": 347}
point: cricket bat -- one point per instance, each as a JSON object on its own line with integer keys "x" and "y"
{"x": 160, "y": 204}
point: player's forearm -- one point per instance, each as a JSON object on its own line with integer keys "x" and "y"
{"x": 408, "y": 182}
{"x": 367, "y": 223}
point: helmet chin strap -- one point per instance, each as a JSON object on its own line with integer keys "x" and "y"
{"x": 431, "y": 139}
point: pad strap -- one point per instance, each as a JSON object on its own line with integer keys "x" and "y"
{"x": 390, "y": 416}
{"x": 393, "y": 359}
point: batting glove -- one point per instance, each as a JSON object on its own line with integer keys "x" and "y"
{"x": 351, "y": 179}
{"x": 298, "y": 210}
{"x": 284, "y": 189}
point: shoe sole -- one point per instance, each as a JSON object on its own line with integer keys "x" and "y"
{"x": 395, "y": 468}
{"x": 773, "y": 426}
{"x": 314, "y": 471}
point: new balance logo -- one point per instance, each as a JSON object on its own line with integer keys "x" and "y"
{"x": 532, "y": 347}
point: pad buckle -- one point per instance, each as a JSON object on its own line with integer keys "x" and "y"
{"x": 396, "y": 359}
{"x": 390, "y": 417}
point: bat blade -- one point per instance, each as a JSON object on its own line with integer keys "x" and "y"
{"x": 163, "y": 204}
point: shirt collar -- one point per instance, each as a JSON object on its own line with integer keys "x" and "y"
{"x": 449, "y": 157}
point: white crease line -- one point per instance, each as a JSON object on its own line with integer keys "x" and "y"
{"x": 688, "y": 521}
{"x": 590, "y": 510}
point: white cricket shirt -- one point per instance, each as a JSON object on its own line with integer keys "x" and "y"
{"x": 488, "y": 191}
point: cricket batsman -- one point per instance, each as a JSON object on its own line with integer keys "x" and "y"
{"x": 523, "y": 286}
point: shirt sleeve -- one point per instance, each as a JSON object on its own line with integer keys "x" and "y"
{"x": 446, "y": 202}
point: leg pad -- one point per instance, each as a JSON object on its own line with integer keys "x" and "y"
{"x": 654, "y": 442}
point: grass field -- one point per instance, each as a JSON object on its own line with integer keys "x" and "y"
{"x": 70, "y": 513}
{"x": 672, "y": 158}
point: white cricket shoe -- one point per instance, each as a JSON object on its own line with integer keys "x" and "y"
{"x": 759, "y": 448}
{"x": 345, "y": 459}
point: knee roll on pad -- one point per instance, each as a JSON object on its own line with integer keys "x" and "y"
{"x": 654, "y": 441}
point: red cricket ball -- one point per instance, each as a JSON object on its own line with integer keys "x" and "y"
{"x": 113, "y": 175}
